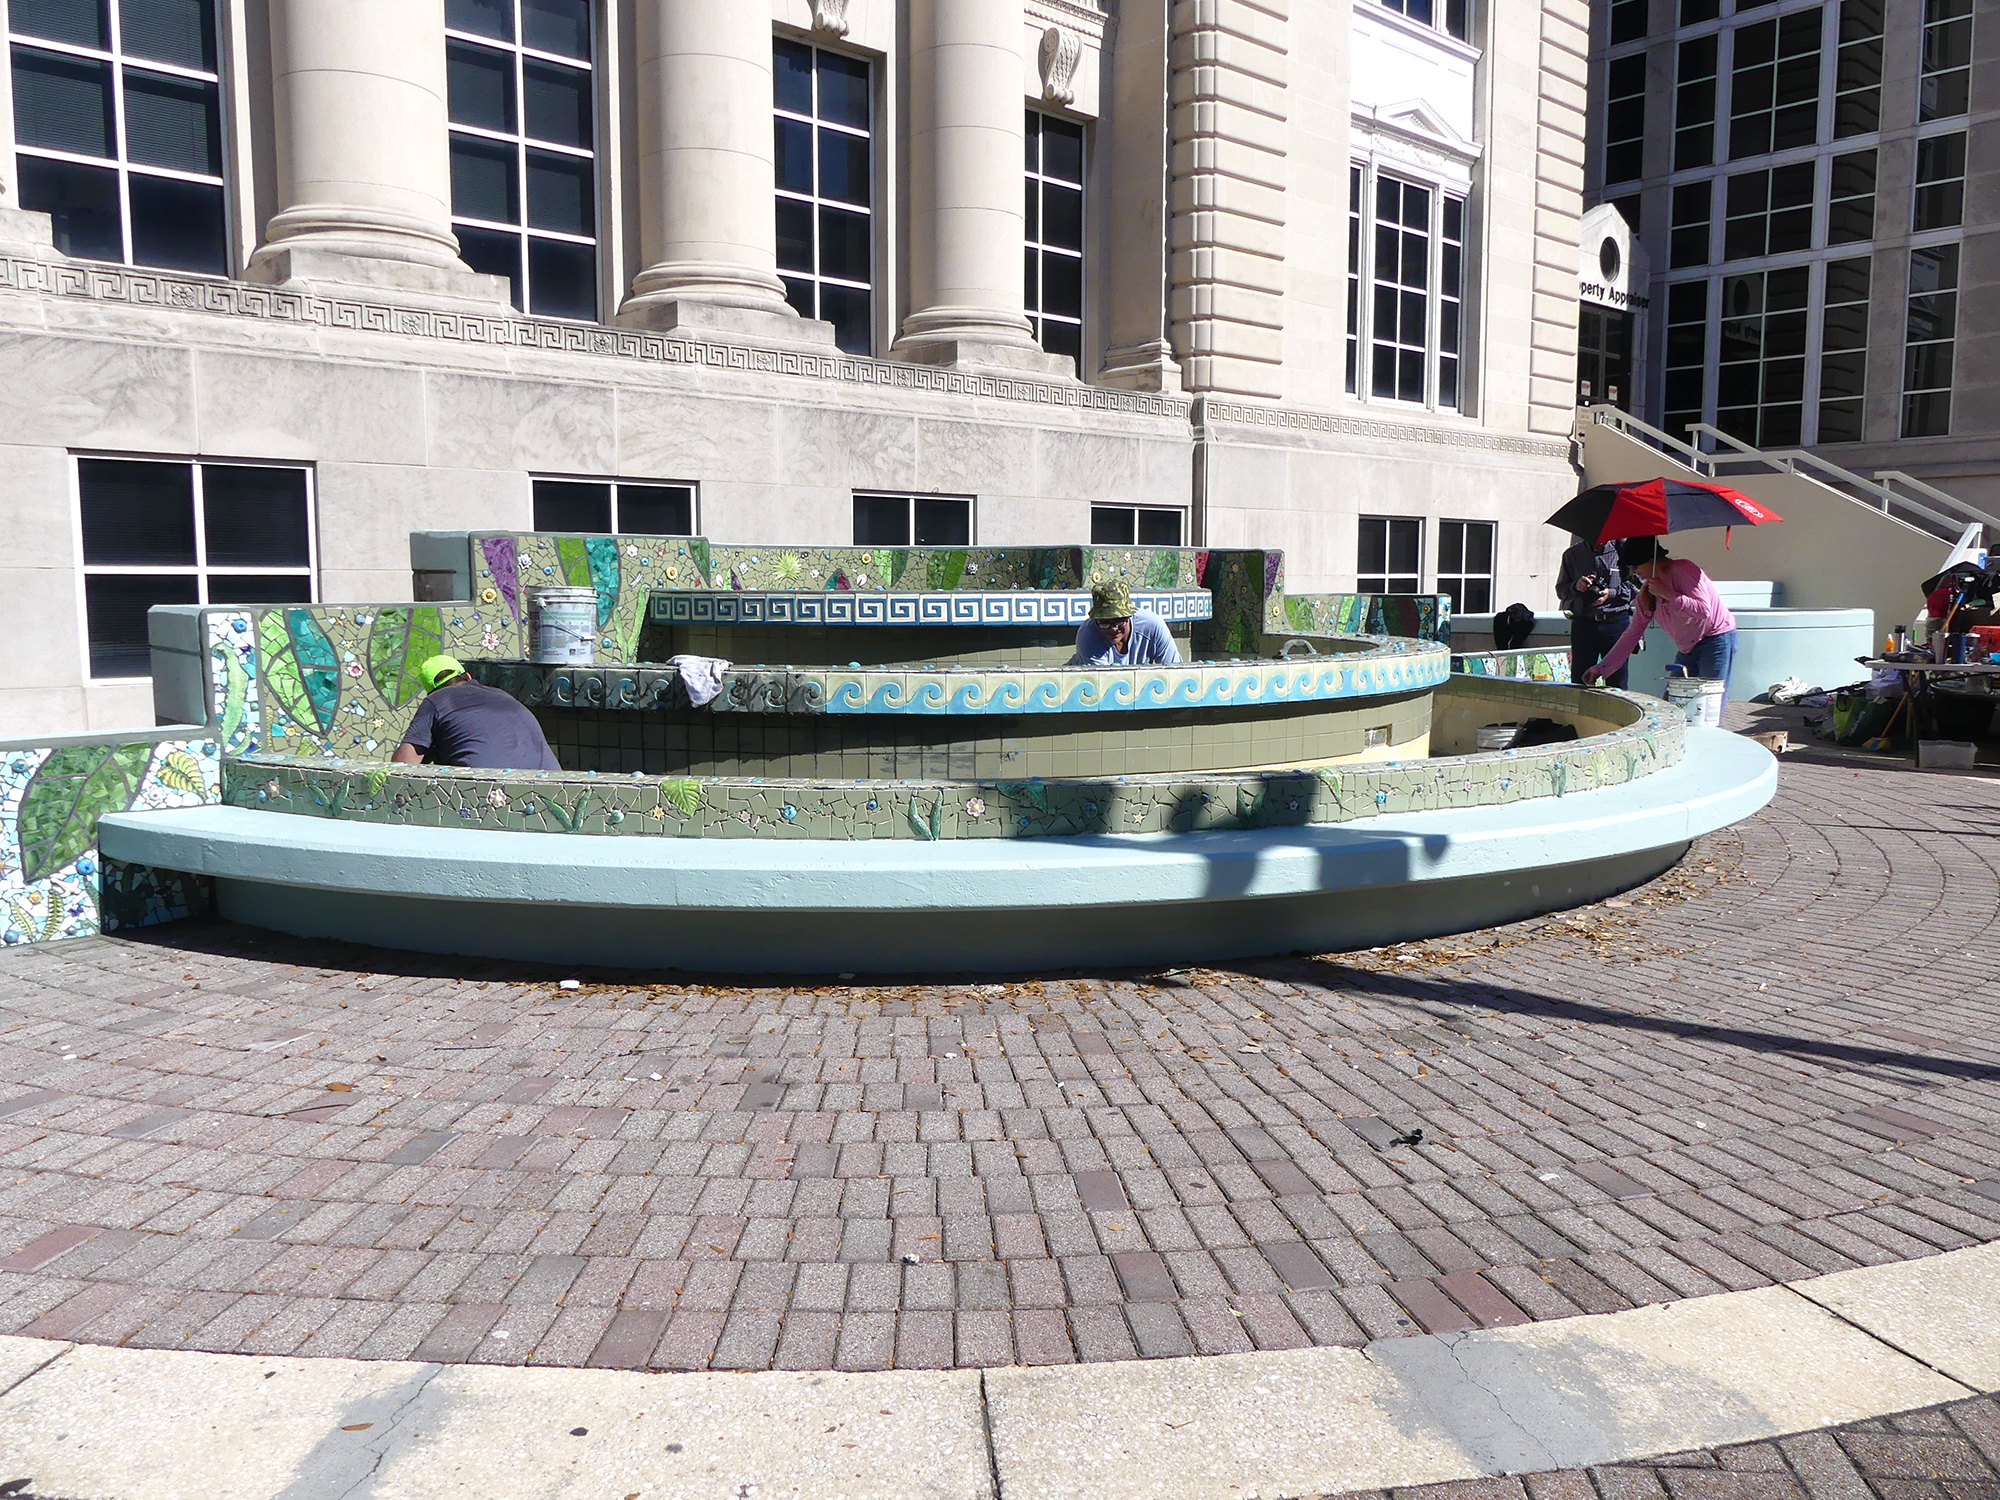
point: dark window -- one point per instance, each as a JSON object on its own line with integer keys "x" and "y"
{"x": 1761, "y": 357}
{"x": 1628, "y": 21}
{"x": 1694, "y": 12}
{"x": 1929, "y": 341}
{"x": 1134, "y": 525}
{"x": 1465, "y": 565}
{"x": 1850, "y": 211}
{"x": 1450, "y": 16}
{"x": 126, "y": 159}
{"x": 1054, "y": 234}
{"x": 1940, "y": 196}
{"x": 522, "y": 94}
{"x": 1686, "y": 357}
{"x": 1774, "y": 86}
{"x": 1945, "y": 88}
{"x": 826, "y": 186}
{"x": 1693, "y": 209}
{"x": 1768, "y": 213}
{"x": 1857, "y": 85}
{"x": 1389, "y": 558}
{"x": 180, "y": 533}
{"x": 1694, "y": 104}
{"x": 1843, "y": 342}
{"x": 912, "y": 520}
{"x": 600, "y": 507}
{"x": 1354, "y": 230}
{"x": 1625, "y": 119}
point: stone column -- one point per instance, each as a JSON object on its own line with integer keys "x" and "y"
{"x": 966, "y": 182}
{"x": 707, "y": 213}
{"x": 363, "y": 151}
{"x": 1134, "y": 146}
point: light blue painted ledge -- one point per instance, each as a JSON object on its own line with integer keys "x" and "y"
{"x": 747, "y": 905}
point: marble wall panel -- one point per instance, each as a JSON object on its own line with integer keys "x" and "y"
{"x": 255, "y": 406}
{"x": 367, "y": 512}
{"x": 538, "y": 426}
{"x": 92, "y": 393}
{"x": 845, "y": 448}
{"x": 702, "y": 440}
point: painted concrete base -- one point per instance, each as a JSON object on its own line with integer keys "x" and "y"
{"x": 766, "y": 905}
{"x": 1737, "y": 1367}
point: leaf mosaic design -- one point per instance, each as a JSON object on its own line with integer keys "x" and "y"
{"x": 945, "y": 569}
{"x": 574, "y": 560}
{"x": 179, "y": 772}
{"x": 503, "y": 562}
{"x": 601, "y": 563}
{"x": 399, "y": 643}
{"x": 290, "y": 709}
{"x": 683, "y": 796}
{"x": 1164, "y": 571}
{"x": 318, "y": 668}
{"x": 235, "y": 691}
{"x": 698, "y": 550}
{"x": 68, "y": 793}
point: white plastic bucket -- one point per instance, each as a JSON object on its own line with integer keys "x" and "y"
{"x": 1700, "y": 698}
{"x": 1496, "y": 736}
{"x": 562, "y": 626}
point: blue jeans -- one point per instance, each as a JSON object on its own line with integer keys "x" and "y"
{"x": 1590, "y": 639}
{"x": 1712, "y": 656}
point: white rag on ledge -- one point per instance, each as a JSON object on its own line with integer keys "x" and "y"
{"x": 700, "y": 675}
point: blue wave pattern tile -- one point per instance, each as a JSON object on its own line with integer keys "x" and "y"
{"x": 1042, "y": 607}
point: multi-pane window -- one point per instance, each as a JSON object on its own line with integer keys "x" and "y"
{"x": 1843, "y": 342}
{"x": 1628, "y": 20}
{"x": 1686, "y": 356}
{"x": 524, "y": 148}
{"x": 912, "y": 521}
{"x": 1412, "y": 323}
{"x": 1940, "y": 196}
{"x": 1136, "y": 526}
{"x": 1774, "y": 88}
{"x": 1354, "y": 230}
{"x": 599, "y": 507}
{"x": 1694, "y": 103}
{"x": 1465, "y": 565}
{"x": 1850, "y": 209}
{"x": 182, "y": 533}
{"x": 1768, "y": 213}
{"x": 1054, "y": 244}
{"x": 826, "y": 189}
{"x": 1760, "y": 378}
{"x": 1453, "y": 17}
{"x": 1625, "y": 118}
{"x": 1928, "y": 341}
{"x": 1390, "y": 555}
{"x": 1945, "y": 88}
{"x": 1857, "y": 76}
{"x": 1694, "y": 12}
{"x": 118, "y": 118}
{"x": 1693, "y": 211}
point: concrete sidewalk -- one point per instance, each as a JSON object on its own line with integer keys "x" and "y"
{"x": 80, "y": 1422}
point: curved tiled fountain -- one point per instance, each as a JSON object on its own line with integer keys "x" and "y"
{"x": 913, "y": 779}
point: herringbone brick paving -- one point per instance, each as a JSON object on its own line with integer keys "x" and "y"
{"x": 1949, "y": 1452}
{"x": 1777, "y": 1061}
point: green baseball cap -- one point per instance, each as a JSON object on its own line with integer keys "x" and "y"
{"x": 1110, "y": 601}
{"x": 437, "y": 668}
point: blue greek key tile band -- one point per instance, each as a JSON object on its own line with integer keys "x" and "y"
{"x": 1036, "y": 607}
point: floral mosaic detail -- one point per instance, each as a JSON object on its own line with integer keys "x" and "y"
{"x": 1520, "y": 666}
{"x": 50, "y": 802}
{"x": 734, "y": 807}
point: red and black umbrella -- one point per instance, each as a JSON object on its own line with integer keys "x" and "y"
{"x": 1654, "y": 507}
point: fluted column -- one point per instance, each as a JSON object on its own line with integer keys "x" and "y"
{"x": 966, "y": 120}
{"x": 363, "y": 150}
{"x": 707, "y": 211}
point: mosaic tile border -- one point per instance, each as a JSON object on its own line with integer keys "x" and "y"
{"x": 1518, "y": 666}
{"x": 1038, "y": 607}
{"x": 734, "y": 807}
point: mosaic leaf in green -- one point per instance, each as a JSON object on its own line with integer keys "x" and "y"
{"x": 574, "y": 560}
{"x": 945, "y": 569}
{"x": 1299, "y": 613}
{"x": 1164, "y": 571}
{"x": 179, "y": 772}
{"x": 319, "y": 671}
{"x": 698, "y": 550}
{"x": 684, "y": 796}
{"x": 284, "y": 691}
{"x": 235, "y": 691}
{"x": 399, "y": 643}
{"x": 68, "y": 793}
{"x": 601, "y": 554}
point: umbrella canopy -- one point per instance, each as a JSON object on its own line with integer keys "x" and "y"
{"x": 1654, "y": 507}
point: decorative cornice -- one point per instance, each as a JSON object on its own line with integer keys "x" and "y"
{"x": 162, "y": 291}
{"x": 1441, "y": 434}
{"x": 1092, "y": 22}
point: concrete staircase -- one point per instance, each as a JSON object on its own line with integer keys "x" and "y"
{"x": 1845, "y": 542}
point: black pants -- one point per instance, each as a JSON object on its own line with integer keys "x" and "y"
{"x": 1590, "y": 639}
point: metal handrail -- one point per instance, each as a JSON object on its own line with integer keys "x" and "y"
{"x": 1623, "y": 421}
{"x": 1788, "y": 460}
{"x": 1950, "y": 502}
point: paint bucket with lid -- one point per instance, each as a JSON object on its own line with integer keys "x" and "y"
{"x": 1700, "y": 698}
{"x": 562, "y": 626}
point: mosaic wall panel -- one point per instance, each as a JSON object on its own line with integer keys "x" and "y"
{"x": 1427, "y": 617}
{"x": 1053, "y": 607}
{"x": 1523, "y": 666}
{"x": 53, "y": 880}
{"x": 874, "y": 646}
{"x": 891, "y": 748}
{"x": 690, "y": 807}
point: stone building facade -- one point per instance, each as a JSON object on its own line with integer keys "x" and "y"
{"x": 1815, "y": 185}
{"x": 285, "y": 280}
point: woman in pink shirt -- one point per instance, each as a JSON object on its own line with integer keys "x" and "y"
{"x": 1685, "y": 602}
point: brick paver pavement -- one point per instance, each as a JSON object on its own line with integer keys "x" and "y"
{"x": 1949, "y": 1452}
{"x": 1780, "y": 1060}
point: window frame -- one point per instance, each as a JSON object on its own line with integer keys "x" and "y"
{"x": 874, "y": 135}
{"x": 1440, "y": 19}
{"x": 1035, "y": 245}
{"x": 120, "y": 164}
{"x": 1362, "y": 234}
{"x": 1921, "y": 185}
{"x": 1133, "y": 512}
{"x": 200, "y": 569}
{"x": 1928, "y": 77}
{"x": 614, "y": 500}
{"x": 1442, "y": 580}
{"x": 1388, "y": 578}
{"x": 909, "y": 499}
{"x": 1904, "y": 390}
{"x": 522, "y": 143}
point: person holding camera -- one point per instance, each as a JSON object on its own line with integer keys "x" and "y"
{"x": 1596, "y": 593}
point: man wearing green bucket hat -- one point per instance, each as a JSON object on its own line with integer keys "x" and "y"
{"x": 1118, "y": 635}
{"x": 467, "y": 723}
